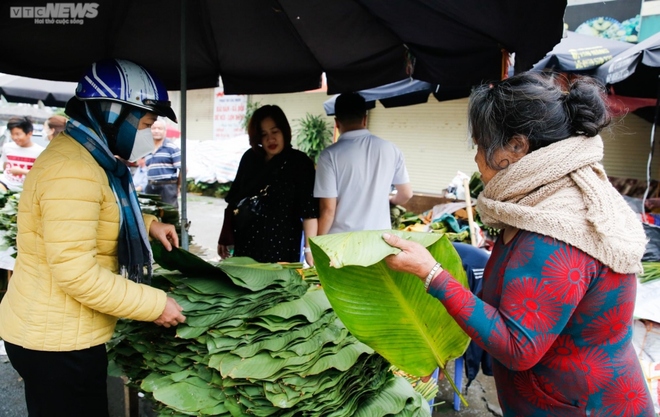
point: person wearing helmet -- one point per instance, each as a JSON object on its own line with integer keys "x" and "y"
{"x": 84, "y": 257}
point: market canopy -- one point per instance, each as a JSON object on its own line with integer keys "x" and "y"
{"x": 630, "y": 71}
{"x": 398, "y": 94}
{"x": 263, "y": 46}
{"x": 31, "y": 90}
{"x": 581, "y": 53}
{"x": 635, "y": 71}
{"x": 281, "y": 46}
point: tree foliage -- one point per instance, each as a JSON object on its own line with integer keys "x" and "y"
{"x": 313, "y": 135}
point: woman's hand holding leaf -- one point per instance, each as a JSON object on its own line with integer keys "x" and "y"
{"x": 165, "y": 233}
{"x": 413, "y": 258}
{"x": 171, "y": 316}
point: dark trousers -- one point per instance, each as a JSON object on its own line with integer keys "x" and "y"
{"x": 63, "y": 384}
{"x": 168, "y": 193}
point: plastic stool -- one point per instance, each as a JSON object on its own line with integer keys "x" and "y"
{"x": 435, "y": 376}
{"x": 458, "y": 380}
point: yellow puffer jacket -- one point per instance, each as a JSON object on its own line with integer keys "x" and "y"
{"x": 65, "y": 293}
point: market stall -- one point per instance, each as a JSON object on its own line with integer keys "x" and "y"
{"x": 260, "y": 339}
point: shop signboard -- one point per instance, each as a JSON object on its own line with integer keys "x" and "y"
{"x": 228, "y": 114}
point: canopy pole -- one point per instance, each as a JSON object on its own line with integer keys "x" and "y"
{"x": 648, "y": 164}
{"x": 185, "y": 224}
{"x": 468, "y": 209}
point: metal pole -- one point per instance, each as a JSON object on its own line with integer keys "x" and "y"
{"x": 185, "y": 224}
{"x": 468, "y": 209}
{"x": 650, "y": 159}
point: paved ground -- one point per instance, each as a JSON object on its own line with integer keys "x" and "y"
{"x": 205, "y": 215}
{"x": 12, "y": 402}
{"x": 481, "y": 398}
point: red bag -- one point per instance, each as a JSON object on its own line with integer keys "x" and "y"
{"x": 227, "y": 232}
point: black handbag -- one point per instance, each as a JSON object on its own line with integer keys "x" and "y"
{"x": 249, "y": 208}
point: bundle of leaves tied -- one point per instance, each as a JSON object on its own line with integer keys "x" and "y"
{"x": 258, "y": 340}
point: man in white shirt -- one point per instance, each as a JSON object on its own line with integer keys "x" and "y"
{"x": 354, "y": 176}
{"x": 19, "y": 154}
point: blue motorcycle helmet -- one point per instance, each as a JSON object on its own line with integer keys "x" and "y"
{"x": 126, "y": 82}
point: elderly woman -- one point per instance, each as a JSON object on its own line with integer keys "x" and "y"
{"x": 559, "y": 288}
{"x": 288, "y": 207}
{"x": 83, "y": 250}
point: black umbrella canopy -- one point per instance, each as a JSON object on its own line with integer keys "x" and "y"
{"x": 460, "y": 43}
{"x": 402, "y": 93}
{"x": 30, "y": 90}
{"x": 266, "y": 46}
{"x": 581, "y": 53}
{"x": 256, "y": 46}
{"x": 635, "y": 71}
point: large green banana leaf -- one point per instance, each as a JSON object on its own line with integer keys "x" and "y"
{"x": 387, "y": 310}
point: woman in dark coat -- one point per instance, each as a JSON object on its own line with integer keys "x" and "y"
{"x": 274, "y": 232}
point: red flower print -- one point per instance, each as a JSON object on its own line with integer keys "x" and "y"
{"x": 549, "y": 240}
{"x": 521, "y": 253}
{"x": 535, "y": 390}
{"x": 462, "y": 302}
{"x": 589, "y": 306}
{"x": 610, "y": 327}
{"x": 625, "y": 362}
{"x": 499, "y": 337}
{"x": 531, "y": 305}
{"x": 596, "y": 367}
{"x": 567, "y": 273}
{"x": 627, "y": 289}
{"x": 500, "y": 279}
{"x": 625, "y": 397}
{"x": 491, "y": 312}
{"x": 610, "y": 280}
{"x": 563, "y": 355}
{"x": 476, "y": 337}
{"x": 531, "y": 350}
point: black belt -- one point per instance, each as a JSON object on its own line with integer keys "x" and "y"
{"x": 163, "y": 182}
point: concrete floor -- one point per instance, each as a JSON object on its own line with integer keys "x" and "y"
{"x": 481, "y": 398}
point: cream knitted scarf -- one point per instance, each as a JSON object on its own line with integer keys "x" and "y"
{"x": 561, "y": 191}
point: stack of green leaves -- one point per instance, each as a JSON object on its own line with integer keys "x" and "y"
{"x": 149, "y": 204}
{"x": 8, "y": 216}
{"x": 213, "y": 189}
{"x": 166, "y": 213}
{"x": 258, "y": 340}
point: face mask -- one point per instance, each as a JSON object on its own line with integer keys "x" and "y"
{"x": 143, "y": 144}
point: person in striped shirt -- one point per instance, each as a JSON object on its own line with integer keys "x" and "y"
{"x": 163, "y": 166}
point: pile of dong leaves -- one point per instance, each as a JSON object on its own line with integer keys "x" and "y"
{"x": 149, "y": 204}
{"x": 258, "y": 340}
{"x": 8, "y": 216}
